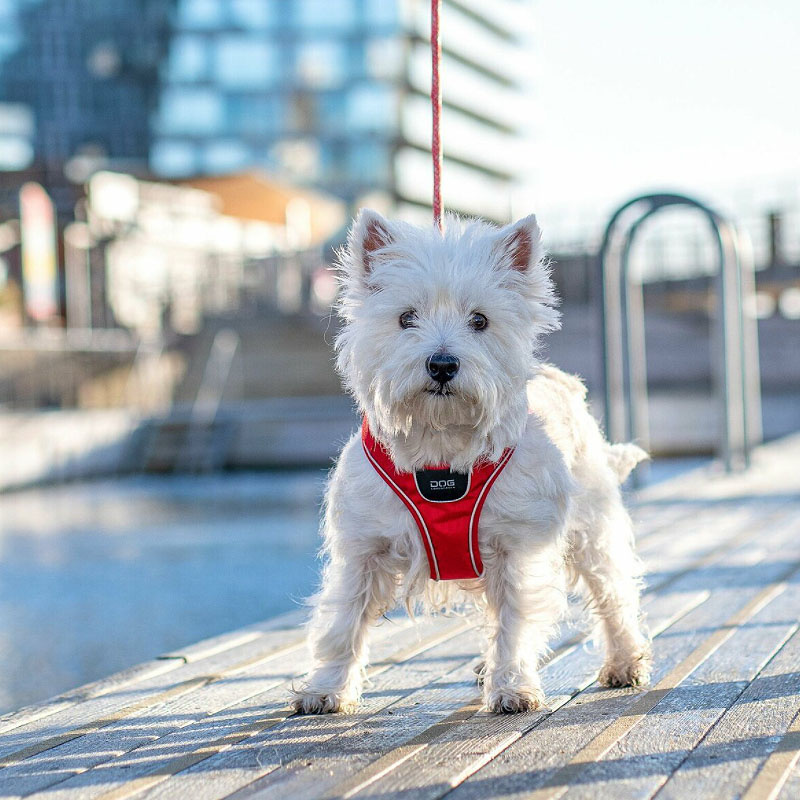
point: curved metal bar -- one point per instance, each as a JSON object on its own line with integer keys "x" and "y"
{"x": 622, "y": 316}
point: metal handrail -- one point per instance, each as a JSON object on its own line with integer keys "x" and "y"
{"x": 735, "y": 335}
{"x": 198, "y": 453}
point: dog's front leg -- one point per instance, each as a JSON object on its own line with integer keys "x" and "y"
{"x": 524, "y": 594}
{"x": 356, "y": 592}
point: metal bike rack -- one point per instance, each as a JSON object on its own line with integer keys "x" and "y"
{"x": 734, "y": 332}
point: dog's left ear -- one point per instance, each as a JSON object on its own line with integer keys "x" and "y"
{"x": 518, "y": 249}
{"x": 519, "y": 246}
{"x": 369, "y": 234}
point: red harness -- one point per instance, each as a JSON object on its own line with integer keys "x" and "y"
{"x": 445, "y": 505}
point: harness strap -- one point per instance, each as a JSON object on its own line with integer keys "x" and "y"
{"x": 445, "y": 505}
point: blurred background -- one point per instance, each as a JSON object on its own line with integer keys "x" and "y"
{"x": 175, "y": 176}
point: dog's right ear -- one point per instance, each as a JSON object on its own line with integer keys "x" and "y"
{"x": 370, "y": 234}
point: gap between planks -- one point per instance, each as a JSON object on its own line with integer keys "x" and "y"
{"x": 775, "y": 771}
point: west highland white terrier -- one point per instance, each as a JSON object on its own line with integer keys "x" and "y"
{"x": 479, "y": 472}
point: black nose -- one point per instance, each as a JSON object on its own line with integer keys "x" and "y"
{"x": 442, "y": 367}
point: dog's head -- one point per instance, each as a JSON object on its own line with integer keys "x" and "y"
{"x": 440, "y": 329}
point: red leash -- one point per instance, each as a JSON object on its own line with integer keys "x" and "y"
{"x": 436, "y": 103}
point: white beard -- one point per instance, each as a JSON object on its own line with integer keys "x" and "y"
{"x": 427, "y": 429}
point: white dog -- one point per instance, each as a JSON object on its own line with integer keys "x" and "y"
{"x": 438, "y": 347}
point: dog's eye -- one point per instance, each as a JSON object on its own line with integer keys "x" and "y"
{"x": 478, "y": 321}
{"x": 408, "y": 319}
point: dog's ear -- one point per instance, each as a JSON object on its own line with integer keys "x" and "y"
{"x": 519, "y": 252}
{"x": 519, "y": 246}
{"x": 369, "y": 234}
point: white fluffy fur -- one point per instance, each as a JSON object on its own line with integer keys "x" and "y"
{"x": 554, "y": 517}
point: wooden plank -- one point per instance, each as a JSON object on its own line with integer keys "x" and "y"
{"x": 145, "y": 726}
{"x": 399, "y": 728}
{"x": 418, "y": 694}
{"x": 116, "y": 702}
{"x": 773, "y": 471}
{"x": 787, "y": 785}
{"x": 138, "y": 763}
{"x": 675, "y": 558}
{"x": 772, "y": 779}
{"x": 290, "y": 623}
{"x": 100, "y": 713}
{"x": 707, "y": 525}
{"x": 556, "y": 740}
{"x": 116, "y": 682}
{"x": 753, "y": 730}
{"x": 204, "y": 650}
{"x": 652, "y": 519}
{"x": 642, "y": 760}
{"x": 200, "y": 741}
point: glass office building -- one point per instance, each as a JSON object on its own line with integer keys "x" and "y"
{"x": 334, "y": 93}
{"x": 79, "y": 76}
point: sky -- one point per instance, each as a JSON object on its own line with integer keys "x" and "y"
{"x": 701, "y": 96}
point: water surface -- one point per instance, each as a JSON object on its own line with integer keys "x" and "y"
{"x": 95, "y": 577}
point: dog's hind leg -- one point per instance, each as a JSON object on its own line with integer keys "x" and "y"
{"x": 524, "y": 593}
{"x": 606, "y": 560}
{"x": 356, "y": 592}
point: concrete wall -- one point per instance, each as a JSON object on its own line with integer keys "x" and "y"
{"x": 44, "y": 446}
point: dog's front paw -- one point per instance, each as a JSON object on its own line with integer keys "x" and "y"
{"x": 307, "y": 701}
{"x": 511, "y": 700}
{"x": 630, "y": 672}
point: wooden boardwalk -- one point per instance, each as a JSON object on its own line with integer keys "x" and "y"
{"x": 721, "y": 719}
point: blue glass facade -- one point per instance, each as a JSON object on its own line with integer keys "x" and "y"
{"x": 86, "y": 71}
{"x": 332, "y": 93}
{"x": 281, "y": 84}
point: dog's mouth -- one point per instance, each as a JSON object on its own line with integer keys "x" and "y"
{"x": 441, "y": 391}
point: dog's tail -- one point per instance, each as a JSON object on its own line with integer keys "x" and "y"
{"x": 622, "y": 458}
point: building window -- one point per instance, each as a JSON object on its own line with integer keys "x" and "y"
{"x": 381, "y": 13}
{"x": 332, "y": 111}
{"x": 9, "y": 39}
{"x": 336, "y": 14}
{"x": 191, "y": 111}
{"x": 254, "y": 14}
{"x": 15, "y": 153}
{"x": 173, "y": 158}
{"x": 368, "y": 162}
{"x": 321, "y": 64}
{"x": 299, "y": 158}
{"x": 188, "y": 58}
{"x": 225, "y": 156}
{"x": 244, "y": 62}
{"x": 371, "y": 107}
{"x": 257, "y": 116}
{"x": 384, "y": 57}
{"x": 201, "y": 13}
